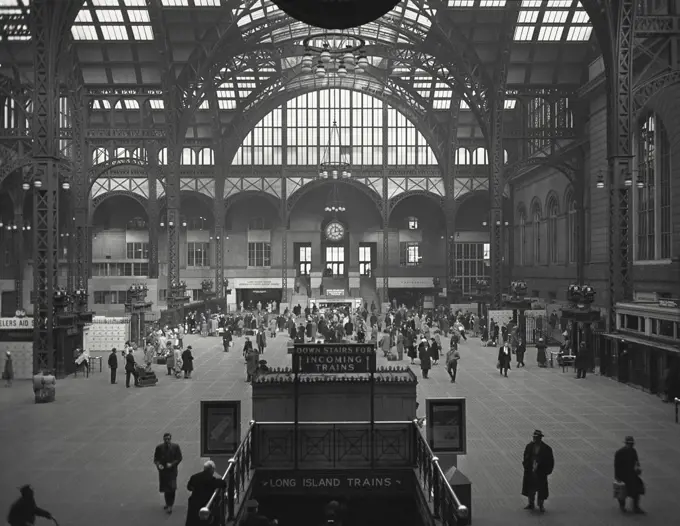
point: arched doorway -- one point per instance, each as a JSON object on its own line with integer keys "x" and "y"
{"x": 418, "y": 259}
{"x": 335, "y": 253}
{"x": 253, "y": 251}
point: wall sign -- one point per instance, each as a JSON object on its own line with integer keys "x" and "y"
{"x": 7, "y": 324}
{"x": 220, "y": 427}
{"x": 446, "y": 425}
{"x": 335, "y": 292}
{"x": 330, "y": 358}
{"x": 256, "y": 283}
{"x": 373, "y": 481}
{"x": 410, "y": 283}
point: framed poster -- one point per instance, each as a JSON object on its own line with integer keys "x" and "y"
{"x": 220, "y": 427}
{"x": 446, "y": 425}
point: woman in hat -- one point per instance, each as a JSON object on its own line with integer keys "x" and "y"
{"x": 8, "y": 371}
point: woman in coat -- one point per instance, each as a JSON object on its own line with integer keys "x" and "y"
{"x": 187, "y": 362}
{"x": 400, "y": 346}
{"x": 540, "y": 353}
{"x": 385, "y": 344}
{"x": 424, "y": 355}
{"x": 409, "y": 341}
{"x": 434, "y": 351}
{"x": 8, "y": 371}
{"x": 170, "y": 362}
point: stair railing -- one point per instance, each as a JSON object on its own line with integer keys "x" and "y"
{"x": 221, "y": 506}
{"x": 446, "y": 505}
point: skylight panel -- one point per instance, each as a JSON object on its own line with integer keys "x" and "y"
{"x": 142, "y": 32}
{"x": 527, "y": 17}
{"x": 555, "y": 17}
{"x": 157, "y": 104}
{"x": 109, "y": 15}
{"x": 205, "y": 105}
{"x": 134, "y": 3}
{"x": 528, "y": 4}
{"x": 131, "y": 104}
{"x": 510, "y": 104}
{"x": 105, "y": 3}
{"x": 84, "y": 15}
{"x": 227, "y": 104}
{"x": 464, "y": 105}
{"x": 461, "y": 3}
{"x": 579, "y": 33}
{"x": 441, "y": 104}
{"x": 138, "y": 15}
{"x": 559, "y": 4}
{"x": 492, "y": 3}
{"x": 207, "y": 3}
{"x": 114, "y": 32}
{"x": 84, "y": 32}
{"x": 524, "y": 33}
{"x": 101, "y": 105}
{"x": 550, "y": 33}
{"x": 175, "y": 3}
{"x": 580, "y": 17}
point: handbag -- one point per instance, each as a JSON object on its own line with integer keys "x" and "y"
{"x": 498, "y": 364}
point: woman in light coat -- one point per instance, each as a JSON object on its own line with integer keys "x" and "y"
{"x": 8, "y": 371}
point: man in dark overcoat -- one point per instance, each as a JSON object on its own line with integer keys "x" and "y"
{"x": 202, "y": 485}
{"x": 166, "y": 458}
{"x": 627, "y": 470}
{"x": 582, "y": 360}
{"x": 538, "y": 463}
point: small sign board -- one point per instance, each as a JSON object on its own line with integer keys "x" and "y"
{"x": 338, "y": 482}
{"x": 9, "y": 324}
{"x": 220, "y": 427}
{"x": 446, "y": 425}
{"x": 333, "y": 358}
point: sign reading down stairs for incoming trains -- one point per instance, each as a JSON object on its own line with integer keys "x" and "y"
{"x": 336, "y": 14}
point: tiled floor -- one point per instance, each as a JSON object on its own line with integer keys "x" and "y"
{"x": 89, "y": 454}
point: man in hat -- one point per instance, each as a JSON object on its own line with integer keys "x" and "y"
{"x": 253, "y": 516}
{"x": 202, "y": 485}
{"x": 538, "y": 463}
{"x": 25, "y": 510}
{"x": 167, "y": 457}
{"x": 627, "y": 470}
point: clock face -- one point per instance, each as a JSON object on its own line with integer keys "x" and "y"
{"x": 335, "y": 231}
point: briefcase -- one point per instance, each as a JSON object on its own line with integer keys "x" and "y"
{"x": 619, "y": 490}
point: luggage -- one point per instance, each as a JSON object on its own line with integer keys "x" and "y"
{"x": 145, "y": 378}
{"x": 44, "y": 388}
{"x": 619, "y": 490}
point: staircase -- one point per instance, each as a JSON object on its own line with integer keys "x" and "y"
{"x": 368, "y": 291}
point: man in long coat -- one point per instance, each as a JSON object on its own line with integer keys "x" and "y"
{"x": 627, "y": 470}
{"x": 167, "y": 457}
{"x": 202, "y": 485}
{"x": 538, "y": 463}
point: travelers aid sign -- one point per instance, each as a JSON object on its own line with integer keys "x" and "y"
{"x": 16, "y": 323}
{"x": 333, "y": 358}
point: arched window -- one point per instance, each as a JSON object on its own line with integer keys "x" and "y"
{"x": 121, "y": 153}
{"x": 553, "y": 237}
{"x": 572, "y": 229}
{"x": 188, "y": 157}
{"x": 652, "y": 202}
{"x": 522, "y": 237}
{"x": 480, "y": 156}
{"x": 537, "y": 234}
{"x": 206, "y": 157}
{"x": 9, "y": 114}
{"x": 139, "y": 153}
{"x": 100, "y": 155}
{"x": 505, "y": 156}
{"x": 163, "y": 156}
{"x": 462, "y": 156}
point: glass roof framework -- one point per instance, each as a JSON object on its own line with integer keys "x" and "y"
{"x": 113, "y": 20}
{"x": 13, "y": 20}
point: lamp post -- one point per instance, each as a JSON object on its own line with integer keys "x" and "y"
{"x": 136, "y": 305}
{"x": 581, "y": 316}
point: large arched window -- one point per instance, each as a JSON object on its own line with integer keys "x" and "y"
{"x": 163, "y": 156}
{"x": 522, "y": 237}
{"x": 553, "y": 241}
{"x": 369, "y": 130}
{"x": 462, "y": 156}
{"x": 188, "y": 157}
{"x": 121, "y": 153}
{"x": 206, "y": 157}
{"x": 652, "y": 202}
{"x": 480, "y": 156}
{"x": 536, "y": 232}
{"x": 100, "y": 155}
{"x": 572, "y": 229}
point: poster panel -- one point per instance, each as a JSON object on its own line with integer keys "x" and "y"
{"x": 500, "y": 317}
{"x": 220, "y": 427}
{"x": 446, "y": 425}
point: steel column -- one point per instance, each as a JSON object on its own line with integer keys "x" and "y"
{"x": 621, "y": 16}
{"x": 19, "y": 256}
{"x": 385, "y": 243}
{"x": 496, "y": 195}
{"x": 69, "y": 241}
{"x": 47, "y": 22}
{"x": 82, "y": 246}
{"x": 172, "y": 219}
{"x": 153, "y": 214}
{"x": 218, "y": 218}
{"x": 579, "y": 189}
{"x": 284, "y": 240}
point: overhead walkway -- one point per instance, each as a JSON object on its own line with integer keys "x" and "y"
{"x": 382, "y": 474}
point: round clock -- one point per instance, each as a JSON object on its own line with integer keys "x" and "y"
{"x": 335, "y": 231}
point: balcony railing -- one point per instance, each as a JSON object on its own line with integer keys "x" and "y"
{"x": 332, "y": 445}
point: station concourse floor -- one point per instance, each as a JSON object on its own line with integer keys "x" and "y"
{"x": 89, "y": 454}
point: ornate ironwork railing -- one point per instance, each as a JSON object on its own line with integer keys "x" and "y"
{"x": 446, "y": 505}
{"x": 329, "y": 445}
{"x": 221, "y": 506}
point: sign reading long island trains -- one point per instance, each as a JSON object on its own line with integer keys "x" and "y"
{"x": 334, "y": 358}
{"x": 359, "y": 481}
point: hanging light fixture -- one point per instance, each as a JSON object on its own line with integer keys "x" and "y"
{"x": 640, "y": 182}
{"x": 25, "y": 186}
{"x": 342, "y": 71}
{"x": 600, "y": 180}
{"x": 320, "y": 71}
{"x": 628, "y": 180}
{"x": 325, "y": 56}
{"x": 306, "y": 64}
{"x": 66, "y": 185}
{"x": 37, "y": 183}
{"x": 334, "y": 53}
